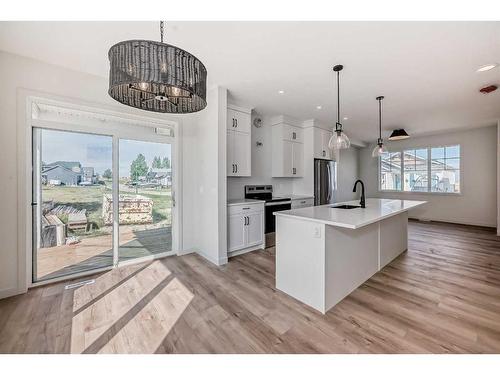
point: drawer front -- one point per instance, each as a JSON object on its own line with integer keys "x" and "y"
{"x": 242, "y": 209}
{"x": 299, "y": 203}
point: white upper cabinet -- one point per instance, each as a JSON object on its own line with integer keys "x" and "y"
{"x": 238, "y": 120}
{"x": 290, "y": 133}
{"x": 239, "y": 140}
{"x": 321, "y": 139}
{"x": 287, "y": 151}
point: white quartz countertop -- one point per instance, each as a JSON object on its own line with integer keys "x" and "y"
{"x": 376, "y": 210}
{"x": 234, "y": 202}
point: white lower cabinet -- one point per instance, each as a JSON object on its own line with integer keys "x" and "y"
{"x": 236, "y": 232}
{"x": 245, "y": 228}
{"x": 254, "y": 230}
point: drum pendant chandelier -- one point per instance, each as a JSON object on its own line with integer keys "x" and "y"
{"x": 155, "y": 76}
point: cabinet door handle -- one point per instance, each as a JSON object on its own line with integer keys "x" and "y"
{"x": 294, "y": 135}
{"x": 248, "y": 220}
{"x": 236, "y": 168}
{"x": 236, "y": 121}
{"x": 324, "y": 153}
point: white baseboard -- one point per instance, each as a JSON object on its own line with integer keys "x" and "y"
{"x": 244, "y": 251}
{"x": 455, "y": 221}
{"x": 218, "y": 262}
{"x": 4, "y": 293}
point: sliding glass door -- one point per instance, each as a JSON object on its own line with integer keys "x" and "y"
{"x": 81, "y": 183}
{"x": 145, "y": 199}
{"x": 70, "y": 184}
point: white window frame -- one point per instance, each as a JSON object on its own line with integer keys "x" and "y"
{"x": 26, "y": 100}
{"x": 429, "y": 165}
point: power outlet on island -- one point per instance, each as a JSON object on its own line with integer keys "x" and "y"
{"x": 317, "y": 232}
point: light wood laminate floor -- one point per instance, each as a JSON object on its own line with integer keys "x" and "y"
{"x": 442, "y": 296}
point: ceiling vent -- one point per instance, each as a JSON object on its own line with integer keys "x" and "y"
{"x": 488, "y": 89}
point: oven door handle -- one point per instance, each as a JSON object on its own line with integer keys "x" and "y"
{"x": 281, "y": 203}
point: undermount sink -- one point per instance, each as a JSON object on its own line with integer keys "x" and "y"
{"x": 345, "y": 206}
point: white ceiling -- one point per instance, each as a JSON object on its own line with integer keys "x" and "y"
{"x": 426, "y": 70}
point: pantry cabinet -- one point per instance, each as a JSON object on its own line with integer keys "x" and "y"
{"x": 287, "y": 151}
{"x": 239, "y": 153}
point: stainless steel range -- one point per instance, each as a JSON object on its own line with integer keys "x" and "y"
{"x": 273, "y": 204}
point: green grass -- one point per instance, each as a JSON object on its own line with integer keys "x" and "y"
{"x": 90, "y": 198}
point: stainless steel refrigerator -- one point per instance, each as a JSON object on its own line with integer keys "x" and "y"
{"x": 325, "y": 181}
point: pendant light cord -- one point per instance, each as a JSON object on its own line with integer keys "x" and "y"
{"x": 161, "y": 30}
{"x": 338, "y": 97}
{"x": 380, "y": 118}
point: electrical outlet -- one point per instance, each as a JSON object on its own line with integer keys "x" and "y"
{"x": 317, "y": 232}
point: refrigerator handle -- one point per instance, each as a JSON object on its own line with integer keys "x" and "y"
{"x": 329, "y": 182}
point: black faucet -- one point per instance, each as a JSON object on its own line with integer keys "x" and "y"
{"x": 362, "y": 201}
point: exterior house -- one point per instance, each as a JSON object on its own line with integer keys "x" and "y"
{"x": 70, "y": 173}
{"x": 88, "y": 175}
{"x": 160, "y": 176}
{"x": 60, "y": 175}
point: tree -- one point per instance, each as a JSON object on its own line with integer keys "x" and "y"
{"x": 107, "y": 174}
{"x": 165, "y": 163}
{"x": 138, "y": 168}
{"x": 156, "y": 162}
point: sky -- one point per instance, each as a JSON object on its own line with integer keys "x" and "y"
{"x": 96, "y": 150}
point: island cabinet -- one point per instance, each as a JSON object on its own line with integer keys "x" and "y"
{"x": 287, "y": 151}
{"x": 239, "y": 156}
{"x": 245, "y": 226}
{"x": 324, "y": 253}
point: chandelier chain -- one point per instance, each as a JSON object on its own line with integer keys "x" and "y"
{"x": 162, "y": 26}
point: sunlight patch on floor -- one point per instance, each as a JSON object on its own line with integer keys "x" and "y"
{"x": 109, "y": 314}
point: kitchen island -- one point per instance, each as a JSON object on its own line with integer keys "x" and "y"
{"x": 324, "y": 253}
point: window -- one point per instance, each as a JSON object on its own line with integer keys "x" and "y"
{"x": 390, "y": 171}
{"x": 429, "y": 169}
{"x": 445, "y": 169}
{"x": 416, "y": 174}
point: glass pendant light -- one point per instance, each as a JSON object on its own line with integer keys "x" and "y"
{"x": 379, "y": 149}
{"x": 339, "y": 139}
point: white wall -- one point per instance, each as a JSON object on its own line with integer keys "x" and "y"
{"x": 261, "y": 164}
{"x": 477, "y": 203}
{"x": 347, "y": 174}
{"x": 210, "y": 149}
{"x": 16, "y": 73}
{"x": 498, "y": 178}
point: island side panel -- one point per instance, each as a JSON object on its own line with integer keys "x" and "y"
{"x": 300, "y": 260}
{"x": 351, "y": 257}
{"x": 393, "y": 238}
